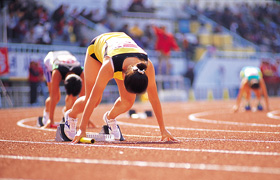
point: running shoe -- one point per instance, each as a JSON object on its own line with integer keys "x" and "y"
{"x": 260, "y": 108}
{"x": 248, "y": 108}
{"x": 112, "y": 126}
{"x": 70, "y": 125}
{"x": 46, "y": 117}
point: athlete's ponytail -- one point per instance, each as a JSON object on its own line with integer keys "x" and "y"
{"x": 136, "y": 80}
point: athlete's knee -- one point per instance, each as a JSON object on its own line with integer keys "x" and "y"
{"x": 55, "y": 98}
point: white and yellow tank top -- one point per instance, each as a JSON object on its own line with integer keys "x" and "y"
{"x": 251, "y": 72}
{"x": 113, "y": 44}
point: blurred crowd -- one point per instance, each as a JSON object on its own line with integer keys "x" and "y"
{"x": 29, "y": 22}
{"x": 36, "y": 82}
{"x": 257, "y": 23}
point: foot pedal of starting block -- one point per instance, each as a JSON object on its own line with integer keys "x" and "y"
{"x": 40, "y": 121}
{"x": 102, "y": 136}
{"x": 60, "y": 135}
{"x": 122, "y": 138}
{"x": 105, "y": 130}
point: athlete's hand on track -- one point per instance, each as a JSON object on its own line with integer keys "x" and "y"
{"x": 79, "y": 135}
{"x": 235, "y": 108}
{"x": 166, "y": 135}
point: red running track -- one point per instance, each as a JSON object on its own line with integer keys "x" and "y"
{"x": 215, "y": 143}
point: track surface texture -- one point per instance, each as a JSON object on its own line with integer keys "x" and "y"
{"x": 214, "y": 143}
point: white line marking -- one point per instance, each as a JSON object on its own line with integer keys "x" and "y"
{"x": 21, "y": 124}
{"x": 195, "y": 129}
{"x": 124, "y": 146}
{"x": 196, "y": 117}
{"x": 272, "y": 114}
{"x": 193, "y": 166}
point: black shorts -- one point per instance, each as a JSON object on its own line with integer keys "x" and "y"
{"x": 93, "y": 54}
{"x": 66, "y": 69}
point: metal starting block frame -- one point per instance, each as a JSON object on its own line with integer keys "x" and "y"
{"x": 104, "y": 134}
{"x": 40, "y": 121}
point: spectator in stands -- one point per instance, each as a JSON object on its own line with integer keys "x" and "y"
{"x": 84, "y": 42}
{"x": 46, "y": 38}
{"x": 136, "y": 6}
{"x": 33, "y": 79}
{"x": 128, "y": 64}
{"x": 42, "y": 83}
{"x": 258, "y": 23}
{"x": 189, "y": 43}
{"x": 77, "y": 29}
{"x": 148, "y": 37}
{"x": 125, "y": 29}
{"x": 58, "y": 14}
{"x": 38, "y": 31}
{"x": 59, "y": 26}
{"x": 165, "y": 42}
{"x": 136, "y": 34}
{"x": 30, "y": 37}
{"x": 203, "y": 29}
{"x": 75, "y": 13}
{"x": 270, "y": 76}
{"x": 190, "y": 75}
{"x": 13, "y": 19}
{"x": 136, "y": 31}
{"x": 252, "y": 80}
{"x": 20, "y": 30}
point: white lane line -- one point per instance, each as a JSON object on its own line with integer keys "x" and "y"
{"x": 22, "y": 122}
{"x": 197, "y": 118}
{"x": 272, "y": 114}
{"x": 173, "y": 165}
{"x": 196, "y": 129}
{"x": 124, "y": 146}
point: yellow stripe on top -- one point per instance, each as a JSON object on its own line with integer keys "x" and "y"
{"x": 118, "y": 75}
{"x": 116, "y": 43}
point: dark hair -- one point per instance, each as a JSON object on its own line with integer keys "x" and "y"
{"x": 73, "y": 84}
{"x": 254, "y": 84}
{"x": 136, "y": 80}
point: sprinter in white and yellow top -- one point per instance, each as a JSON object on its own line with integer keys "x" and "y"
{"x": 114, "y": 55}
{"x": 252, "y": 80}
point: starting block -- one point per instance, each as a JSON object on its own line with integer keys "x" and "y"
{"x": 132, "y": 113}
{"x": 104, "y": 134}
{"x": 40, "y": 121}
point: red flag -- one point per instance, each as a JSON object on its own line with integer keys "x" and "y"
{"x": 4, "y": 62}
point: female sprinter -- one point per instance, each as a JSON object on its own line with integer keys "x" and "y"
{"x": 61, "y": 66}
{"x": 114, "y": 55}
{"x": 252, "y": 80}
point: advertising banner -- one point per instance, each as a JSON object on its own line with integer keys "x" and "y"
{"x": 4, "y": 62}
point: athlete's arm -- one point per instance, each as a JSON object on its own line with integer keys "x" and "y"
{"x": 105, "y": 74}
{"x": 82, "y": 93}
{"x": 264, "y": 90}
{"x": 155, "y": 102}
{"x": 54, "y": 93}
{"x": 239, "y": 96}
